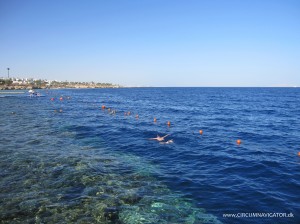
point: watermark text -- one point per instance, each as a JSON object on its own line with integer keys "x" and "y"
{"x": 258, "y": 215}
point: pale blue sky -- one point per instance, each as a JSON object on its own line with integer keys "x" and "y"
{"x": 153, "y": 42}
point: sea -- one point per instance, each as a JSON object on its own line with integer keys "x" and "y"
{"x": 86, "y": 156}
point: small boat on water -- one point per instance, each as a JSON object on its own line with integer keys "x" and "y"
{"x": 33, "y": 93}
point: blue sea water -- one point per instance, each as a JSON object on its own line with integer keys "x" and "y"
{"x": 69, "y": 161}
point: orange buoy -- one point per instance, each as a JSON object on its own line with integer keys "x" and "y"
{"x": 103, "y": 107}
{"x": 298, "y": 153}
{"x": 238, "y": 141}
{"x": 169, "y": 123}
{"x": 200, "y": 132}
{"x": 154, "y": 119}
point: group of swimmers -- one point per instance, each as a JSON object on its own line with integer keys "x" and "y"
{"x": 160, "y": 139}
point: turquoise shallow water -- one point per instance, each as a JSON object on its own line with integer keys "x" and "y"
{"x": 70, "y": 161}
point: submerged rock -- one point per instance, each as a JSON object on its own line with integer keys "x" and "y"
{"x": 111, "y": 214}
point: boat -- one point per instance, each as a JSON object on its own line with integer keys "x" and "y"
{"x": 33, "y": 93}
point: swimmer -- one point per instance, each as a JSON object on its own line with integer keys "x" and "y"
{"x": 167, "y": 142}
{"x": 158, "y": 138}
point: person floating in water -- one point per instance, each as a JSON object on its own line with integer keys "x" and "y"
{"x": 158, "y": 138}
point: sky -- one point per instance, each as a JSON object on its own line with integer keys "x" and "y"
{"x": 153, "y": 42}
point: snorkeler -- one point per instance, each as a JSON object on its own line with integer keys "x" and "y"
{"x": 158, "y": 138}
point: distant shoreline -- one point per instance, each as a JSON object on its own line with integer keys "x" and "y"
{"x": 15, "y": 88}
{"x": 55, "y": 87}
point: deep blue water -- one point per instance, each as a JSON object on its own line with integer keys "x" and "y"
{"x": 71, "y": 161}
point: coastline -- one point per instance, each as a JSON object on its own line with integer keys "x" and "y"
{"x": 12, "y": 87}
{"x": 28, "y": 87}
